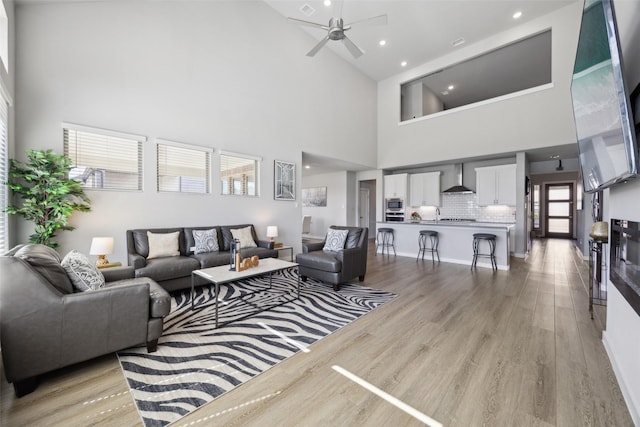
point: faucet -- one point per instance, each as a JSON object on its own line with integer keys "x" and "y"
{"x": 437, "y": 214}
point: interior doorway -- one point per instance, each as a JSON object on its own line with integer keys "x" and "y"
{"x": 363, "y": 208}
{"x": 367, "y": 205}
{"x": 559, "y": 210}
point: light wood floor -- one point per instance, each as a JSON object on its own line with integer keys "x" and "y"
{"x": 514, "y": 348}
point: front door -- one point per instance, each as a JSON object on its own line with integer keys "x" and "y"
{"x": 559, "y": 210}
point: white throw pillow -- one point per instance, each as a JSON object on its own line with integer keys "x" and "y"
{"x": 206, "y": 241}
{"x": 245, "y": 237}
{"x": 83, "y": 275}
{"x": 163, "y": 244}
{"x": 335, "y": 240}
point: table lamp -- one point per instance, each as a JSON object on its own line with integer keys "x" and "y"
{"x": 101, "y": 246}
{"x": 272, "y": 232}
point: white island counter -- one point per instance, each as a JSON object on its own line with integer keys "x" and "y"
{"x": 456, "y": 240}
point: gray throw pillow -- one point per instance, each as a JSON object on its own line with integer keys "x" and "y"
{"x": 205, "y": 241}
{"x": 335, "y": 240}
{"x": 84, "y": 275}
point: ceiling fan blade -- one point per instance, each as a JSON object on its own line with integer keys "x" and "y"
{"x": 317, "y": 47}
{"x": 308, "y": 23}
{"x": 351, "y": 46}
{"x": 376, "y": 20}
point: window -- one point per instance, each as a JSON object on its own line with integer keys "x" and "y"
{"x": 239, "y": 174}
{"x": 183, "y": 168}
{"x": 104, "y": 159}
{"x": 4, "y": 175}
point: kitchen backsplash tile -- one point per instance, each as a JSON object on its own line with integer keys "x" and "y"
{"x": 465, "y": 206}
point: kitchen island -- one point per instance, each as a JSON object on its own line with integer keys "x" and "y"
{"x": 456, "y": 240}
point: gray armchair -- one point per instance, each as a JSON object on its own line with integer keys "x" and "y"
{"x": 46, "y": 326}
{"x": 336, "y": 267}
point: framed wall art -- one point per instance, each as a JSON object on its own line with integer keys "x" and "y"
{"x": 314, "y": 197}
{"x": 284, "y": 180}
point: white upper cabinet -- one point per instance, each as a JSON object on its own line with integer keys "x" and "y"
{"x": 424, "y": 189}
{"x": 395, "y": 186}
{"x": 496, "y": 185}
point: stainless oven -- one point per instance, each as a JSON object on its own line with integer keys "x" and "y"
{"x": 394, "y": 216}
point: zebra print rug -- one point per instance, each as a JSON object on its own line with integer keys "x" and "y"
{"x": 196, "y": 363}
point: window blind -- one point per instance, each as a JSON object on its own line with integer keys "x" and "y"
{"x": 238, "y": 174}
{"x": 183, "y": 169}
{"x": 104, "y": 160}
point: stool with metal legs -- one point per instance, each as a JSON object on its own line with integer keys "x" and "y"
{"x": 385, "y": 239}
{"x": 489, "y": 238}
{"x": 432, "y": 237}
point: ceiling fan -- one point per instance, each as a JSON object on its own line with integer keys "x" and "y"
{"x": 336, "y": 31}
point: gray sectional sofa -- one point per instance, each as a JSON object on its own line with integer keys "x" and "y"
{"x": 174, "y": 272}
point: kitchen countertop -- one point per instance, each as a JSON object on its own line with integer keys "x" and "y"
{"x": 452, "y": 223}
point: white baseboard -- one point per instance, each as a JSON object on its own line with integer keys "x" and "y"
{"x": 631, "y": 403}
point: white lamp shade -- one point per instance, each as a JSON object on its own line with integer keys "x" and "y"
{"x": 272, "y": 231}
{"x": 101, "y": 246}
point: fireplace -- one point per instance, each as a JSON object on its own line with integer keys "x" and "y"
{"x": 625, "y": 260}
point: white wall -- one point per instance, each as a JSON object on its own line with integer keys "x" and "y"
{"x": 623, "y": 323}
{"x": 221, "y": 74}
{"x": 336, "y": 212}
{"x": 508, "y": 125}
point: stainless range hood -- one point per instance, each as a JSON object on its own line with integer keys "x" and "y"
{"x": 459, "y": 188}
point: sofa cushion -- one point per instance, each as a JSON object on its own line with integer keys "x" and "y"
{"x": 205, "y": 241}
{"x": 212, "y": 259}
{"x": 245, "y": 236}
{"x": 168, "y": 268}
{"x": 227, "y": 236}
{"x": 189, "y": 241}
{"x": 141, "y": 241}
{"x": 46, "y": 262}
{"x": 163, "y": 244}
{"x": 353, "y": 238}
{"x": 320, "y": 260}
{"x": 335, "y": 240}
{"x": 83, "y": 274}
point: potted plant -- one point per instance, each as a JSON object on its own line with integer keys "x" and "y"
{"x": 415, "y": 217}
{"x": 48, "y": 196}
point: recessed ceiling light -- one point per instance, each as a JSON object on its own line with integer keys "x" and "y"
{"x": 403, "y": 64}
{"x": 307, "y": 167}
{"x": 555, "y": 156}
{"x": 458, "y": 42}
{"x": 327, "y": 3}
{"x": 450, "y": 87}
{"x": 517, "y": 15}
{"x": 382, "y": 42}
{"x": 446, "y": 92}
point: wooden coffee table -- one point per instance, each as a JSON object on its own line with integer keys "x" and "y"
{"x": 222, "y": 275}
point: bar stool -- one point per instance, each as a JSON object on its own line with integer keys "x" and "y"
{"x": 489, "y": 238}
{"x": 385, "y": 239}
{"x": 432, "y": 236}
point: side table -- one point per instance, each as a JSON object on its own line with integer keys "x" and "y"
{"x": 285, "y": 248}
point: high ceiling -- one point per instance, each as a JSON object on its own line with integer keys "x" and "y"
{"x": 417, "y": 31}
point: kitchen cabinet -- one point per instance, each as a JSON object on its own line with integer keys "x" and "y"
{"x": 496, "y": 185}
{"x": 395, "y": 186}
{"x": 424, "y": 189}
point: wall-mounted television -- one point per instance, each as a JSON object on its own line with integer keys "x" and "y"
{"x": 607, "y": 144}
